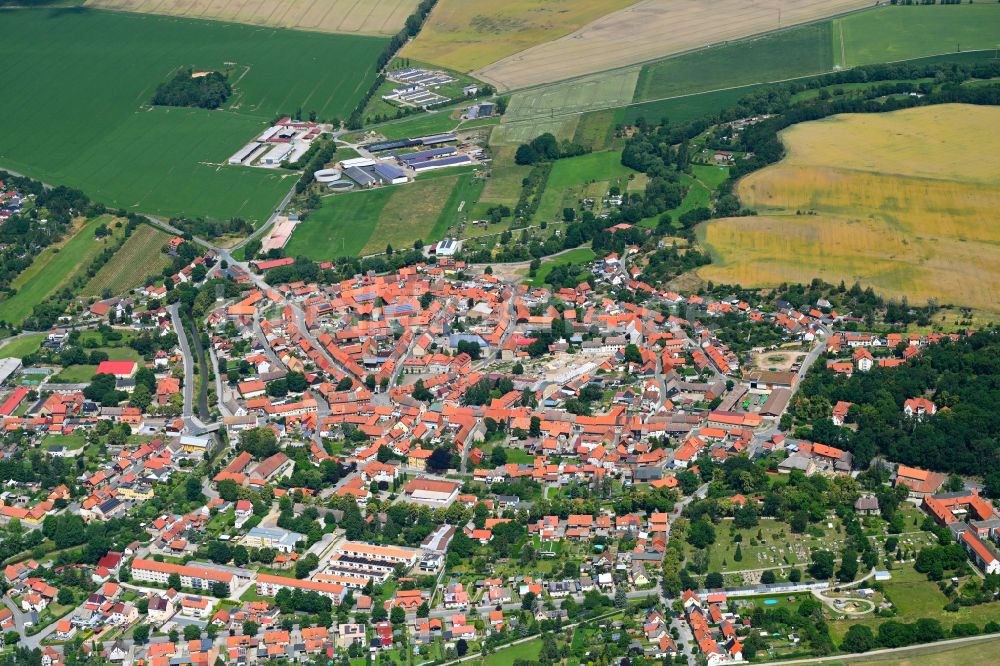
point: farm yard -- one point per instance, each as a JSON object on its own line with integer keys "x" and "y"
{"x": 463, "y": 35}
{"x": 163, "y": 161}
{"x": 140, "y": 257}
{"x": 652, "y": 29}
{"x": 55, "y": 267}
{"x": 912, "y": 218}
{"x": 372, "y": 17}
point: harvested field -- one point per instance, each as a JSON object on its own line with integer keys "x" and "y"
{"x": 365, "y": 17}
{"x": 653, "y": 29}
{"x": 914, "y": 218}
{"x": 140, "y": 257}
{"x": 464, "y": 35}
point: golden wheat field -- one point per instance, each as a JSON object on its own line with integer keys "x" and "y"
{"x": 465, "y": 35}
{"x": 915, "y": 215}
{"x": 366, "y": 17}
{"x": 652, "y": 29}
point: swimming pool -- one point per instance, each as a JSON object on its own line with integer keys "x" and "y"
{"x": 770, "y": 602}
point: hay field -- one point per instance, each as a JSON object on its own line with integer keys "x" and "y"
{"x": 465, "y": 35}
{"x": 364, "y": 17}
{"x": 914, "y": 216}
{"x": 653, "y": 29}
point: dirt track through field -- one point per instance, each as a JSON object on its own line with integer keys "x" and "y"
{"x": 653, "y": 29}
{"x": 366, "y": 17}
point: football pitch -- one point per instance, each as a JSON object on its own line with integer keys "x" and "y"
{"x": 79, "y": 115}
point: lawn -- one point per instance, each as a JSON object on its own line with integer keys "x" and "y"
{"x": 528, "y": 650}
{"x": 80, "y": 374}
{"x": 163, "y": 161}
{"x": 580, "y": 255}
{"x": 788, "y": 54}
{"x": 23, "y": 346}
{"x": 421, "y": 124}
{"x": 979, "y": 652}
{"x": 888, "y": 34}
{"x": 916, "y": 597}
{"x": 70, "y": 442}
{"x": 141, "y": 256}
{"x": 569, "y": 177}
{"x": 54, "y": 267}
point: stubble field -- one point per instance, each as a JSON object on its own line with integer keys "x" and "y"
{"x": 653, "y": 29}
{"x": 367, "y": 17}
{"x": 914, "y": 217}
{"x": 464, "y": 35}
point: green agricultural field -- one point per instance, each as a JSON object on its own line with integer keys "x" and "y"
{"x": 95, "y": 132}
{"x": 23, "y": 346}
{"x": 580, "y": 255}
{"x": 794, "y": 53}
{"x": 888, "y": 34}
{"x": 54, "y": 267}
{"x": 418, "y": 125}
{"x": 570, "y": 176}
{"x": 140, "y": 257}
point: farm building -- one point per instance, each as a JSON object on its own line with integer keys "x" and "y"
{"x": 446, "y": 248}
{"x": 430, "y": 165}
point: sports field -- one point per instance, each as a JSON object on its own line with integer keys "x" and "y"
{"x": 913, "y": 217}
{"x": 370, "y": 17}
{"x": 652, "y": 29}
{"x": 53, "y": 268}
{"x": 895, "y": 33}
{"x": 140, "y": 257}
{"x": 464, "y": 35}
{"x": 92, "y": 129}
